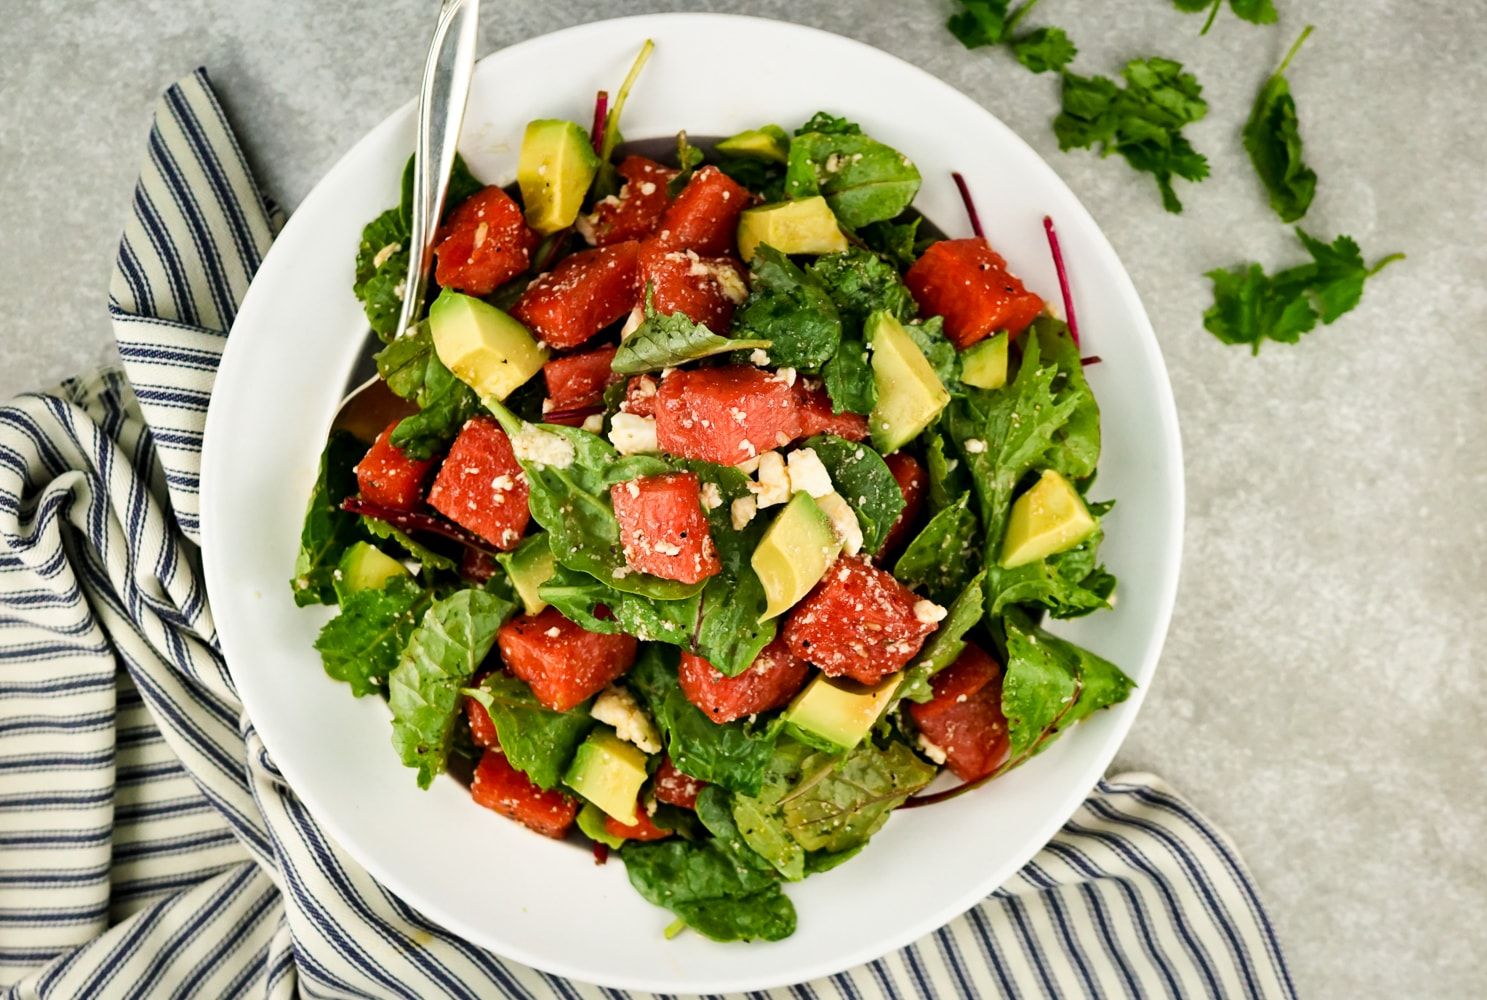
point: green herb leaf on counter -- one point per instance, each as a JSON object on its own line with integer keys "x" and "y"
{"x": 1250, "y": 306}
{"x": 536, "y": 740}
{"x": 862, "y": 179}
{"x": 980, "y": 22}
{"x": 1141, "y": 121}
{"x": 441, "y": 656}
{"x": 1050, "y": 684}
{"x": 328, "y": 530}
{"x": 362, "y": 644}
{"x": 1253, "y": 11}
{"x": 789, "y": 308}
{"x": 1044, "y": 49}
{"x": 665, "y": 340}
{"x": 1272, "y": 136}
{"x": 861, "y": 476}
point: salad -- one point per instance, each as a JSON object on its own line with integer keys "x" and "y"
{"x": 722, "y": 510}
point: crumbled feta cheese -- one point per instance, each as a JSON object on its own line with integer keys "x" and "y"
{"x": 742, "y": 511}
{"x": 617, "y": 707}
{"x": 758, "y": 357}
{"x": 931, "y": 751}
{"x": 585, "y": 226}
{"x": 633, "y": 488}
{"x": 383, "y": 254}
{"x": 974, "y": 446}
{"x": 648, "y": 188}
{"x": 481, "y": 232}
{"x": 785, "y": 375}
{"x": 748, "y": 466}
{"x": 929, "y": 612}
{"x": 593, "y": 423}
{"x": 503, "y": 483}
{"x": 667, "y": 549}
{"x": 531, "y": 444}
{"x": 632, "y": 323}
{"x": 807, "y": 474}
{"x": 632, "y": 434}
{"x": 774, "y": 482}
{"x": 843, "y": 521}
{"x": 553, "y": 632}
{"x": 712, "y": 498}
{"x": 729, "y": 283}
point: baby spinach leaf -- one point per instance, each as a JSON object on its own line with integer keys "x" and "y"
{"x": 848, "y": 378}
{"x": 762, "y": 177}
{"x": 709, "y": 890}
{"x": 714, "y": 809}
{"x": 462, "y": 184}
{"x": 1044, "y": 49}
{"x": 442, "y": 655}
{"x": 862, "y": 179}
{"x": 328, "y": 530}
{"x": 732, "y": 755}
{"x": 860, "y": 282}
{"x": 1050, "y": 684}
{"x": 444, "y": 404}
{"x": 1272, "y": 136}
{"x": 945, "y": 553}
{"x": 947, "y": 642}
{"x": 862, "y": 478}
{"x": 789, "y": 308}
{"x": 536, "y": 740}
{"x": 840, "y": 802}
{"x": 667, "y": 340}
{"x": 363, "y": 643}
{"x": 382, "y": 270}
{"x": 404, "y": 362}
{"x": 758, "y": 820}
{"x": 579, "y": 597}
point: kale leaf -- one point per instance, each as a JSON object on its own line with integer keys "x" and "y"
{"x": 1272, "y": 136}
{"x": 362, "y": 644}
{"x": 536, "y": 740}
{"x": 328, "y": 530}
{"x": 789, "y": 308}
{"x": 666, "y": 340}
{"x": 1050, "y": 684}
{"x": 861, "y": 476}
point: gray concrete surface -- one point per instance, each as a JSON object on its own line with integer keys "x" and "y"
{"x": 1321, "y": 694}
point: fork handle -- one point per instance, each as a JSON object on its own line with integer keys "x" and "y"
{"x": 441, "y": 110}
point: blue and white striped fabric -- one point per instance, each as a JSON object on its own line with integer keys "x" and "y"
{"x": 148, "y": 845}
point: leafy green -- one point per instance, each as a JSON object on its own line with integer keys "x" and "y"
{"x": 1044, "y": 49}
{"x": 980, "y": 22}
{"x": 426, "y": 556}
{"x": 945, "y": 554}
{"x": 462, "y": 184}
{"x": 688, "y": 159}
{"x": 929, "y": 337}
{"x": 1050, "y": 684}
{"x": 861, "y": 476}
{"x": 860, "y": 282}
{"x": 1067, "y": 584}
{"x": 579, "y": 597}
{"x": 403, "y": 363}
{"x": 442, "y": 655}
{"x": 894, "y": 241}
{"x": 715, "y": 810}
{"x": 1253, "y": 11}
{"x": 1142, "y": 122}
{"x": 789, "y": 308}
{"x": 829, "y": 124}
{"x": 862, "y": 179}
{"x": 1076, "y": 445}
{"x": 733, "y": 755}
{"x": 381, "y": 270}
{"x": 710, "y": 890}
{"x": 946, "y": 643}
{"x": 666, "y": 340}
{"x": 1272, "y": 136}
{"x": 848, "y": 378}
{"x": 328, "y": 530}
{"x": 607, "y": 180}
{"x": 591, "y": 821}
{"x": 843, "y": 807}
{"x": 444, "y": 404}
{"x": 947, "y": 476}
{"x": 363, "y": 643}
{"x": 536, "y": 740}
{"x": 757, "y": 818}
{"x": 1250, "y": 306}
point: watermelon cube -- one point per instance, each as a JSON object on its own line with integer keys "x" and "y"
{"x": 480, "y": 486}
{"x": 499, "y": 786}
{"x": 581, "y": 296}
{"x": 564, "y": 664}
{"x": 388, "y": 477}
{"x": 964, "y": 718}
{"x": 967, "y": 282}
{"x": 860, "y": 622}
{"x": 775, "y": 677}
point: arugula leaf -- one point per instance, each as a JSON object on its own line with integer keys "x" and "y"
{"x": 536, "y": 740}
{"x": 1272, "y": 136}
{"x": 893, "y": 241}
{"x": 944, "y": 555}
{"x": 666, "y": 340}
{"x": 1050, "y": 684}
{"x": 946, "y": 643}
{"x": 848, "y": 378}
{"x": 979, "y": 23}
{"x": 829, "y": 124}
{"x": 860, "y": 282}
{"x": 1067, "y": 584}
{"x": 862, "y": 179}
{"x": 710, "y": 890}
{"x": 732, "y": 755}
{"x": 843, "y": 807}
{"x": 444, "y": 404}
{"x": 328, "y": 531}
{"x": 789, "y": 308}
{"x": 862, "y": 478}
{"x": 1044, "y": 49}
{"x": 1253, "y": 11}
{"x": 362, "y": 644}
{"x": 442, "y": 655}
{"x": 427, "y": 557}
{"x": 1142, "y": 122}
{"x": 1250, "y": 306}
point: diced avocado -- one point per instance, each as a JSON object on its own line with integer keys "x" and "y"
{"x": 485, "y": 348}
{"x": 794, "y": 554}
{"x": 767, "y": 142}
{"x": 836, "y": 713}
{"x": 556, "y": 166}
{"x": 529, "y": 567}
{"x": 366, "y": 567}
{"x": 804, "y": 226}
{"x": 984, "y": 364}
{"x": 608, "y": 772}
{"x": 910, "y": 394}
{"x": 1047, "y": 519}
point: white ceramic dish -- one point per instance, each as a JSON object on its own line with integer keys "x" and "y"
{"x": 299, "y": 331}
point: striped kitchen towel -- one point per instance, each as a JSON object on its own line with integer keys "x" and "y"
{"x": 148, "y": 845}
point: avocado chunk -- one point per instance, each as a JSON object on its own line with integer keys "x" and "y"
{"x": 608, "y": 772}
{"x": 794, "y": 554}
{"x": 1047, "y": 519}
{"x": 366, "y": 567}
{"x": 910, "y": 394}
{"x": 835, "y": 713}
{"x": 485, "y": 348}
{"x": 804, "y": 226}
{"x": 554, "y": 170}
{"x": 984, "y": 364}
{"x": 767, "y": 142}
{"x": 529, "y": 567}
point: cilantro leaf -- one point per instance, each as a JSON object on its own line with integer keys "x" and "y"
{"x": 1044, "y": 49}
{"x": 1250, "y": 306}
{"x": 979, "y": 22}
{"x": 363, "y": 644}
{"x": 668, "y": 339}
{"x": 1253, "y": 11}
{"x": 1272, "y": 136}
{"x": 1142, "y": 121}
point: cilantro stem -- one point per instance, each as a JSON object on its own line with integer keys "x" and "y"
{"x": 965, "y": 196}
{"x": 1063, "y": 277}
{"x": 1018, "y": 15}
{"x": 612, "y": 121}
{"x": 1213, "y": 12}
{"x": 1380, "y": 265}
{"x": 1295, "y": 48}
{"x": 601, "y": 116}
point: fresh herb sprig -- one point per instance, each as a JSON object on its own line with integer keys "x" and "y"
{"x": 1253, "y": 11}
{"x": 1272, "y": 136}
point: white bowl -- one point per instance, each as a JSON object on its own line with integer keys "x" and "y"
{"x": 542, "y": 902}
